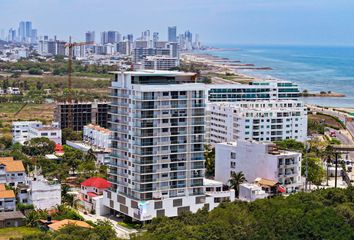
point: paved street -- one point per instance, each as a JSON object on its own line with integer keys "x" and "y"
{"x": 121, "y": 232}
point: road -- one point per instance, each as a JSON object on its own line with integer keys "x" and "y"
{"x": 342, "y": 116}
{"x": 121, "y": 232}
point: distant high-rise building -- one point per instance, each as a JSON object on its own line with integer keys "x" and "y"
{"x": 25, "y": 32}
{"x": 28, "y": 29}
{"x": 12, "y": 35}
{"x": 130, "y": 37}
{"x": 188, "y": 36}
{"x": 155, "y": 38}
{"x": 145, "y": 35}
{"x": 90, "y": 36}
{"x": 34, "y": 36}
{"x": 2, "y": 34}
{"x": 110, "y": 37}
{"x": 172, "y": 34}
{"x": 21, "y": 31}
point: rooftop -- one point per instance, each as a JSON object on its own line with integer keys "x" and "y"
{"x": 154, "y": 73}
{"x": 266, "y": 182}
{"x": 11, "y": 215}
{"x": 12, "y": 165}
{"x": 98, "y": 128}
{"x": 210, "y": 182}
{"x": 96, "y": 182}
{"x": 60, "y": 224}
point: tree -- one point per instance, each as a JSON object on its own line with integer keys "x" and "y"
{"x": 235, "y": 181}
{"x": 300, "y": 216}
{"x": 104, "y": 230}
{"x": 209, "y": 154}
{"x": 71, "y": 135}
{"x": 38, "y": 146}
{"x": 290, "y": 144}
{"x": 316, "y": 173}
{"x": 35, "y": 71}
{"x": 72, "y": 157}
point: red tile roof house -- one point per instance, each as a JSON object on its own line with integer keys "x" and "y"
{"x": 91, "y": 195}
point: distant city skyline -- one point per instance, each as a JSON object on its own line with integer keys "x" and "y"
{"x": 303, "y": 22}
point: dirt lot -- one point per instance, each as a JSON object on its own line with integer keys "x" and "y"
{"x": 327, "y": 120}
{"x": 42, "y": 112}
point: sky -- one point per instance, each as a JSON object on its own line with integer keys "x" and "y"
{"x": 291, "y": 22}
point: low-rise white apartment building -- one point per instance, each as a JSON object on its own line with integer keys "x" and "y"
{"x": 97, "y": 136}
{"x": 23, "y": 131}
{"x": 257, "y": 120}
{"x": 12, "y": 172}
{"x": 40, "y": 192}
{"x": 258, "y": 160}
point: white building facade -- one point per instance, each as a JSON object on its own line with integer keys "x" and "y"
{"x": 97, "y": 136}
{"x": 257, "y": 120}
{"x": 42, "y": 193}
{"x": 157, "y": 165}
{"x": 258, "y": 160}
{"x": 12, "y": 172}
{"x": 23, "y": 131}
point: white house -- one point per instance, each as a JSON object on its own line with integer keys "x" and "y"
{"x": 251, "y": 191}
{"x": 258, "y": 160}
{"x": 20, "y": 130}
{"x": 7, "y": 199}
{"x": 13, "y": 91}
{"x": 91, "y": 195}
{"x": 42, "y": 193}
{"x": 12, "y": 172}
{"x": 258, "y": 120}
{"x": 23, "y": 131}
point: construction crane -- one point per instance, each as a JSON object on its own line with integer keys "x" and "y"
{"x": 70, "y": 45}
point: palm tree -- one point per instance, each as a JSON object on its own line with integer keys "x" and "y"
{"x": 235, "y": 180}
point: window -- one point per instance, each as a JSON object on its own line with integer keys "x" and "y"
{"x": 233, "y": 155}
{"x": 232, "y": 164}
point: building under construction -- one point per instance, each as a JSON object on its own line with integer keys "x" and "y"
{"x": 83, "y": 113}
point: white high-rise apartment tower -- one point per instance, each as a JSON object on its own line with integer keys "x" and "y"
{"x": 157, "y": 163}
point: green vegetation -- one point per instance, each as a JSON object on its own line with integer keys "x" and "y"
{"x": 102, "y": 230}
{"x": 71, "y": 135}
{"x": 61, "y": 212}
{"x": 314, "y": 127}
{"x": 57, "y": 67}
{"x": 129, "y": 225}
{"x": 322, "y": 214}
{"x": 209, "y": 154}
{"x": 235, "y": 181}
{"x": 335, "y": 141}
{"x": 316, "y": 173}
{"x": 290, "y": 144}
{"x": 38, "y": 146}
{"x": 17, "y": 232}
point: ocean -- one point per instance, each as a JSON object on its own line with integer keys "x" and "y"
{"x": 313, "y": 68}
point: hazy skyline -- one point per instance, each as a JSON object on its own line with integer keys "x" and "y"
{"x": 315, "y": 22}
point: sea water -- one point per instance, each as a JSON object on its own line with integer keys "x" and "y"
{"x": 312, "y": 68}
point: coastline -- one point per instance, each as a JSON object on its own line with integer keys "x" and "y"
{"x": 226, "y": 66}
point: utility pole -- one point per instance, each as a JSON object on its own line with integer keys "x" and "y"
{"x": 335, "y": 171}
